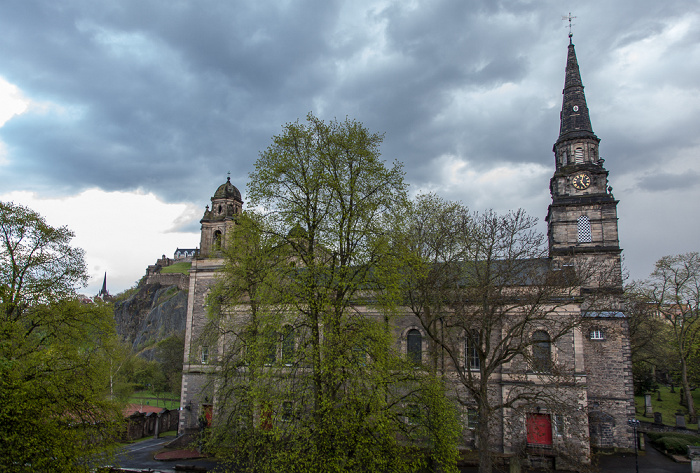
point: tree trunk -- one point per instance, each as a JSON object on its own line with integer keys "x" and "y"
{"x": 485, "y": 461}
{"x": 688, "y": 394}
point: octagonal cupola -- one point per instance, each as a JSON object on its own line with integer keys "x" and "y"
{"x": 220, "y": 219}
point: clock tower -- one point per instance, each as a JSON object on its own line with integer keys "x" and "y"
{"x": 582, "y": 218}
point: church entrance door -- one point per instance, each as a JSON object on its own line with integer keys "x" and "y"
{"x": 539, "y": 429}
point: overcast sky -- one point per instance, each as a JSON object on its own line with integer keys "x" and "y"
{"x": 120, "y": 118}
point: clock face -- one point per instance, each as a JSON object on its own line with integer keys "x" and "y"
{"x": 581, "y": 181}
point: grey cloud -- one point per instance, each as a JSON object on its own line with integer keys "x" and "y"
{"x": 663, "y": 181}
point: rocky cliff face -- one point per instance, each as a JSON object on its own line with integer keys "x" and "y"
{"x": 153, "y": 312}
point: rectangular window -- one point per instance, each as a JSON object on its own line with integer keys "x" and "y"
{"x": 472, "y": 418}
{"x": 597, "y": 334}
{"x": 558, "y": 425}
{"x": 205, "y": 355}
{"x": 287, "y": 411}
{"x": 471, "y": 349}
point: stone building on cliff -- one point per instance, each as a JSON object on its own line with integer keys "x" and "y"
{"x": 582, "y": 227}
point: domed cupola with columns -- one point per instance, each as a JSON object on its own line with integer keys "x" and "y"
{"x": 220, "y": 219}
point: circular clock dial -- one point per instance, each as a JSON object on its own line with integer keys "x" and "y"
{"x": 581, "y": 181}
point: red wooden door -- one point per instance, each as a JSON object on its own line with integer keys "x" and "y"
{"x": 539, "y": 429}
{"x": 208, "y": 413}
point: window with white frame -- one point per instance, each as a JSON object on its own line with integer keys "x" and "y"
{"x": 205, "y": 355}
{"x": 597, "y": 334}
{"x": 471, "y": 351}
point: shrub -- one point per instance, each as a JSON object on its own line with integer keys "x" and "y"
{"x": 672, "y": 442}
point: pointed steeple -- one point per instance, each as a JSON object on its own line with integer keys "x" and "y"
{"x": 103, "y": 291}
{"x": 575, "y": 121}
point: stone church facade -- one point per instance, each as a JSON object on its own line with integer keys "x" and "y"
{"x": 582, "y": 227}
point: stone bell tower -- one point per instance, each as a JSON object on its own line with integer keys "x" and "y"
{"x": 218, "y": 221}
{"x": 582, "y": 230}
{"x": 582, "y": 218}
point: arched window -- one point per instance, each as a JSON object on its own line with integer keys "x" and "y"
{"x": 471, "y": 342}
{"x": 541, "y": 352}
{"x": 414, "y": 345}
{"x": 288, "y": 343}
{"x": 271, "y": 348}
{"x": 578, "y": 156}
{"x": 584, "y": 229}
{"x": 217, "y": 240}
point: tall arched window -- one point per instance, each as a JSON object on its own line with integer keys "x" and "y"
{"x": 270, "y": 341}
{"x": 578, "y": 156}
{"x": 288, "y": 344}
{"x": 541, "y": 352}
{"x": 471, "y": 342}
{"x": 584, "y": 229}
{"x": 414, "y": 345}
{"x": 217, "y": 240}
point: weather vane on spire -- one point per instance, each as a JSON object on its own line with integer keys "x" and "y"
{"x": 569, "y": 17}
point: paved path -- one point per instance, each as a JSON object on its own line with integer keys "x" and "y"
{"x": 140, "y": 456}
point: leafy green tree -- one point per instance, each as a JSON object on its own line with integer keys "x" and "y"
{"x": 481, "y": 284}
{"x": 169, "y": 353}
{"x": 673, "y": 290}
{"x": 310, "y": 378}
{"x": 53, "y": 370}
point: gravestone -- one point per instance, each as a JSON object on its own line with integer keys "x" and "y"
{"x": 680, "y": 420}
{"x": 694, "y": 454}
{"x": 648, "y": 411}
{"x": 657, "y": 418}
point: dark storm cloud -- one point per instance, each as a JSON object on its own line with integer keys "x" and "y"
{"x": 169, "y": 96}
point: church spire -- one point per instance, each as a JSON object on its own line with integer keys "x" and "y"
{"x": 103, "y": 291}
{"x": 575, "y": 121}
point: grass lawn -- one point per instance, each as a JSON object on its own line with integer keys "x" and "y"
{"x": 183, "y": 268}
{"x": 168, "y": 400}
{"x": 667, "y": 406}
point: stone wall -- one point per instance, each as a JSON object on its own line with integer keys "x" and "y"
{"x": 141, "y": 425}
{"x": 182, "y": 281}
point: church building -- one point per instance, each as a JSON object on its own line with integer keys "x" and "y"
{"x": 582, "y": 230}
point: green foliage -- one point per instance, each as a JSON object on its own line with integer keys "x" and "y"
{"x": 170, "y": 353}
{"x": 54, "y": 362}
{"x": 668, "y": 406}
{"x": 308, "y": 380}
{"x": 182, "y": 267}
{"x": 673, "y": 442}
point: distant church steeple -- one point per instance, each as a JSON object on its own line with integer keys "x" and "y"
{"x": 104, "y": 293}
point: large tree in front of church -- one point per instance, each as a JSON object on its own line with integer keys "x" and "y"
{"x": 311, "y": 379}
{"x": 494, "y": 307}
{"x": 54, "y": 350}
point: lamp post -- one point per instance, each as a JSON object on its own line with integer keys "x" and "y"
{"x": 634, "y": 423}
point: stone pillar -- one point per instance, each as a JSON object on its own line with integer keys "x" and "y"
{"x": 694, "y": 454}
{"x": 648, "y": 411}
{"x": 156, "y": 433}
